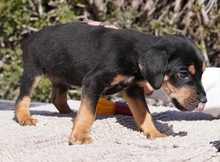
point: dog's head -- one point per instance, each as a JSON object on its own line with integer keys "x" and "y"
{"x": 176, "y": 64}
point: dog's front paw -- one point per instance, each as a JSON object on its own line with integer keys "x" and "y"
{"x": 155, "y": 134}
{"x": 28, "y": 121}
{"x": 79, "y": 138}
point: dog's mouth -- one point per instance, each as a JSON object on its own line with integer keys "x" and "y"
{"x": 180, "y": 107}
{"x": 200, "y": 107}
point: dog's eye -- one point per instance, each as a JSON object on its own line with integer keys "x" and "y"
{"x": 183, "y": 74}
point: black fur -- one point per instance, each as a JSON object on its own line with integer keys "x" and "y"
{"x": 92, "y": 57}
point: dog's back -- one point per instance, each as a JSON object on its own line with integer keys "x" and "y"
{"x": 78, "y": 47}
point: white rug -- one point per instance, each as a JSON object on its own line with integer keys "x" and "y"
{"x": 193, "y": 137}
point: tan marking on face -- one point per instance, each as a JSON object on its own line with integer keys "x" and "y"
{"x": 82, "y": 124}
{"x": 192, "y": 69}
{"x": 142, "y": 117}
{"x": 185, "y": 95}
{"x": 173, "y": 92}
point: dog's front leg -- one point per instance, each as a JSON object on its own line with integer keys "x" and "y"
{"x": 91, "y": 92}
{"x": 137, "y": 104}
{"x": 82, "y": 124}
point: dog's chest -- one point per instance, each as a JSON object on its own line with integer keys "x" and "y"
{"x": 121, "y": 82}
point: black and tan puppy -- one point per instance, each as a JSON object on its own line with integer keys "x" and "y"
{"x": 105, "y": 61}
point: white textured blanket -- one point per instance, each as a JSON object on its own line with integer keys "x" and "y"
{"x": 193, "y": 137}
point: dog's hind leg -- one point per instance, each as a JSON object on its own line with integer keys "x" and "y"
{"x": 29, "y": 82}
{"x": 59, "y": 98}
{"x": 137, "y": 104}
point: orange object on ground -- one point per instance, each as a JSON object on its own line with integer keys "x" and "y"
{"x": 107, "y": 107}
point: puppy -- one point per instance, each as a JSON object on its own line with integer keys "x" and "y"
{"x": 105, "y": 61}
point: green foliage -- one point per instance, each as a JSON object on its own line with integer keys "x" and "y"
{"x": 9, "y": 77}
{"x": 167, "y": 26}
{"x": 18, "y": 19}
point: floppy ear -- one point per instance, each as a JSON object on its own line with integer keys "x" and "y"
{"x": 153, "y": 66}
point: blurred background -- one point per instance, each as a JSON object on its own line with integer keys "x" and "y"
{"x": 196, "y": 19}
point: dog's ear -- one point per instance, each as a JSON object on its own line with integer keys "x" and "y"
{"x": 153, "y": 66}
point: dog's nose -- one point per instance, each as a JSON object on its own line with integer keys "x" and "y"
{"x": 203, "y": 99}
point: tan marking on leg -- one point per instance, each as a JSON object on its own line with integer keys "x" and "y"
{"x": 60, "y": 101}
{"x": 192, "y": 69}
{"x": 22, "y": 112}
{"x": 143, "y": 117}
{"x": 36, "y": 82}
{"x": 82, "y": 125}
{"x": 22, "y": 107}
